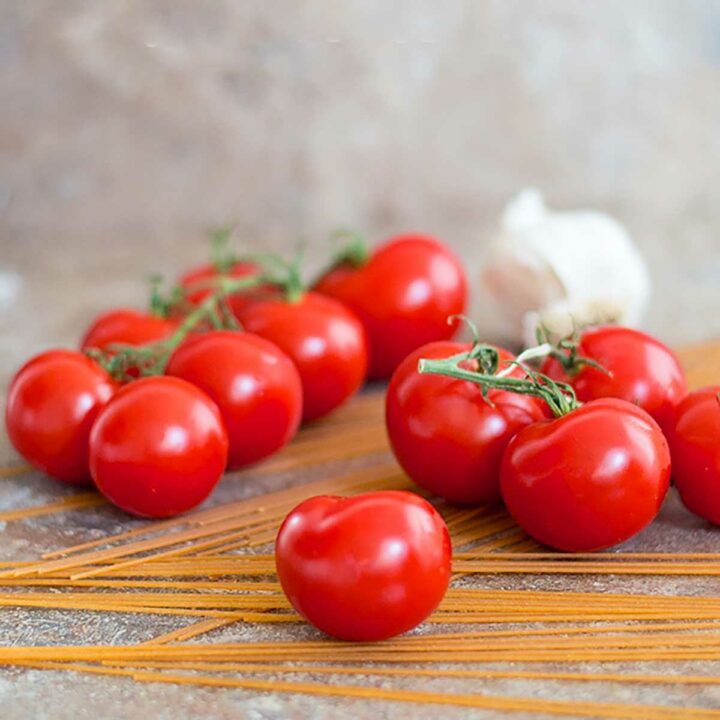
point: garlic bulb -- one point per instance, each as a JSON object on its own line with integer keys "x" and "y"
{"x": 561, "y": 269}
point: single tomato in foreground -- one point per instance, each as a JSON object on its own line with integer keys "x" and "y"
{"x": 255, "y": 385}
{"x": 403, "y": 294}
{"x": 587, "y": 480}
{"x": 324, "y": 340}
{"x": 694, "y": 439}
{"x": 158, "y": 448}
{"x": 445, "y": 435}
{"x": 51, "y": 405}
{"x": 367, "y": 567}
{"x": 639, "y": 369}
{"x": 126, "y": 327}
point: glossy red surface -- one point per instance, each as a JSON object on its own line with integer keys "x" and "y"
{"x": 694, "y": 439}
{"x": 324, "y": 340}
{"x": 51, "y": 405}
{"x": 446, "y": 437}
{"x": 158, "y": 448}
{"x": 126, "y": 326}
{"x": 588, "y": 480}
{"x": 194, "y": 280}
{"x": 367, "y": 567}
{"x": 255, "y": 385}
{"x": 403, "y": 296}
{"x": 641, "y": 370}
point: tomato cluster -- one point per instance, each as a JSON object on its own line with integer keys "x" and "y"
{"x": 221, "y": 372}
{"x": 585, "y": 476}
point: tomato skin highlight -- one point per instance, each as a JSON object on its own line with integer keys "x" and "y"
{"x": 367, "y": 567}
{"x": 694, "y": 439}
{"x": 403, "y": 296}
{"x": 324, "y": 340}
{"x": 52, "y": 403}
{"x": 445, "y": 436}
{"x": 588, "y": 480}
{"x": 158, "y": 448}
{"x": 255, "y": 385}
{"x": 643, "y": 371}
{"x": 128, "y": 327}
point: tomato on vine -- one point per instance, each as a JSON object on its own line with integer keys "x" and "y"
{"x": 447, "y": 437}
{"x": 52, "y": 403}
{"x": 158, "y": 448}
{"x": 324, "y": 340}
{"x": 694, "y": 438}
{"x": 198, "y": 283}
{"x": 127, "y": 327}
{"x": 255, "y": 385}
{"x": 403, "y": 294}
{"x": 625, "y": 364}
{"x": 588, "y": 479}
{"x": 367, "y": 567}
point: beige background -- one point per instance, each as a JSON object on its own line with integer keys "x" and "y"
{"x": 129, "y": 128}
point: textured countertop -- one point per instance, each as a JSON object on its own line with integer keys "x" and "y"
{"x": 49, "y": 694}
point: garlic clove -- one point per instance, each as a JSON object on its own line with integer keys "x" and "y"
{"x": 561, "y": 269}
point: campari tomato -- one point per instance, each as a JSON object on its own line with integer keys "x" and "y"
{"x": 52, "y": 403}
{"x": 256, "y": 387}
{"x": 367, "y": 567}
{"x": 445, "y": 435}
{"x": 403, "y": 295}
{"x": 587, "y": 480}
{"x": 636, "y": 367}
{"x": 324, "y": 340}
{"x": 694, "y": 437}
{"x": 158, "y": 448}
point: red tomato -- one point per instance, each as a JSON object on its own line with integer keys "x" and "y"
{"x": 158, "y": 448}
{"x": 255, "y": 385}
{"x": 446, "y": 437}
{"x": 694, "y": 439}
{"x": 588, "y": 480}
{"x": 403, "y": 296}
{"x": 126, "y": 326}
{"x": 51, "y": 405}
{"x": 642, "y": 370}
{"x": 325, "y": 341}
{"x": 206, "y": 273}
{"x": 367, "y": 567}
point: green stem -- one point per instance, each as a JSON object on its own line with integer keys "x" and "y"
{"x": 355, "y": 251}
{"x": 152, "y": 358}
{"x": 534, "y": 353}
{"x": 560, "y": 397}
{"x": 222, "y": 257}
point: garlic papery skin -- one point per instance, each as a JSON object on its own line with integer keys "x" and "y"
{"x": 561, "y": 269}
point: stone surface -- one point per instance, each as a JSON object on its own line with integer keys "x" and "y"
{"x": 61, "y": 695}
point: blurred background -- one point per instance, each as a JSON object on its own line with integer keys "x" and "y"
{"x": 129, "y": 128}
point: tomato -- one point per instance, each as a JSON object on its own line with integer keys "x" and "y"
{"x": 325, "y": 341}
{"x": 403, "y": 296}
{"x": 51, "y": 405}
{"x": 694, "y": 439}
{"x": 446, "y": 437}
{"x": 205, "y": 274}
{"x": 128, "y": 327}
{"x": 255, "y": 385}
{"x": 589, "y": 479}
{"x": 158, "y": 448}
{"x": 367, "y": 567}
{"x": 641, "y": 370}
